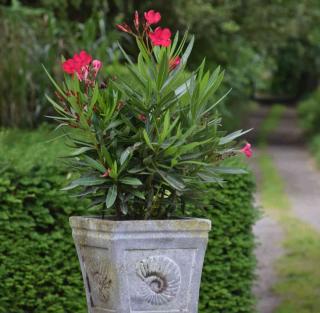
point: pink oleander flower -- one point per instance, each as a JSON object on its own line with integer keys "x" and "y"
{"x": 247, "y": 150}
{"x": 78, "y": 65}
{"x": 161, "y": 37}
{"x": 174, "y": 62}
{"x": 152, "y": 17}
{"x": 81, "y": 64}
{"x": 96, "y": 64}
{"x": 82, "y": 59}
{"x": 69, "y": 66}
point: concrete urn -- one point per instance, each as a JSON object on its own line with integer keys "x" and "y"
{"x": 141, "y": 266}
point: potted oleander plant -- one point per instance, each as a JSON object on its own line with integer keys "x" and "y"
{"x": 144, "y": 146}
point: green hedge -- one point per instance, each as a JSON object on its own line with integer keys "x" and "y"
{"x": 229, "y": 265}
{"x": 39, "y": 270}
{"x": 38, "y": 266}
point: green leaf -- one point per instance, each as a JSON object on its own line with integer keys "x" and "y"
{"x": 111, "y": 196}
{"x": 85, "y": 181}
{"x": 80, "y": 151}
{"x": 147, "y": 139}
{"x": 95, "y": 164}
{"x": 107, "y": 156}
{"x": 125, "y": 154}
{"x": 172, "y": 180}
{"x": 95, "y": 95}
{"x": 166, "y": 127}
{"x": 163, "y": 69}
{"x": 58, "y": 108}
{"x": 131, "y": 181}
{"x": 210, "y": 178}
{"x": 139, "y": 194}
{"x": 232, "y": 136}
{"x": 54, "y": 83}
{"x": 187, "y": 52}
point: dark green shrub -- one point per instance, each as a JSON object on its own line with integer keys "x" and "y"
{"x": 39, "y": 270}
{"x": 309, "y": 112}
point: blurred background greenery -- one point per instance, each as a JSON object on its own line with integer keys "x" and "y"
{"x": 269, "y": 48}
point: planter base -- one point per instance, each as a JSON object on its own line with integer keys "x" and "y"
{"x": 141, "y": 266}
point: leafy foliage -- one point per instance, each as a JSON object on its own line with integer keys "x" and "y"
{"x": 145, "y": 146}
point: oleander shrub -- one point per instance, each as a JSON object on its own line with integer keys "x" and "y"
{"x": 39, "y": 270}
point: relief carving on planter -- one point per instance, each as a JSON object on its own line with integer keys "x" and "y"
{"x": 98, "y": 278}
{"x": 161, "y": 279}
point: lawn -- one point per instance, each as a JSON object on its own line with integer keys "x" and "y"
{"x": 25, "y": 148}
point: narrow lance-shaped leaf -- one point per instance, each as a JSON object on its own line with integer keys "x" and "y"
{"x": 95, "y": 164}
{"x": 233, "y": 136}
{"x": 131, "y": 181}
{"x": 85, "y": 181}
{"x": 172, "y": 180}
{"x": 111, "y": 196}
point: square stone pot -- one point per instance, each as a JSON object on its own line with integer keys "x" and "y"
{"x": 141, "y": 266}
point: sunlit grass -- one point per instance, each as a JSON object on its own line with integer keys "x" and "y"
{"x": 25, "y": 148}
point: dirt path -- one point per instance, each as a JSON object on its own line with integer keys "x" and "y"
{"x": 302, "y": 181}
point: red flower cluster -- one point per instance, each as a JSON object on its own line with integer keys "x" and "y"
{"x": 159, "y": 37}
{"x": 81, "y": 64}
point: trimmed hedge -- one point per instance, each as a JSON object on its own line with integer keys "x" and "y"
{"x": 229, "y": 264}
{"x": 39, "y": 270}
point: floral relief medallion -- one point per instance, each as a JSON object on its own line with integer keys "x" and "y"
{"x": 161, "y": 279}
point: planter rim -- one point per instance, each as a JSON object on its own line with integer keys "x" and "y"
{"x": 114, "y": 226}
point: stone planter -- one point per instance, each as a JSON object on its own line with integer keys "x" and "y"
{"x": 141, "y": 266}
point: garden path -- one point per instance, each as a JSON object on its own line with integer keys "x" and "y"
{"x": 302, "y": 181}
{"x": 302, "y": 186}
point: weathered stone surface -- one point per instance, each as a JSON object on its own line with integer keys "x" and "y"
{"x": 141, "y": 266}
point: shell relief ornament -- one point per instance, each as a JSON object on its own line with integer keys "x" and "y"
{"x": 161, "y": 279}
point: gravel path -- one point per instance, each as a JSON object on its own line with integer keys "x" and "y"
{"x": 302, "y": 181}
